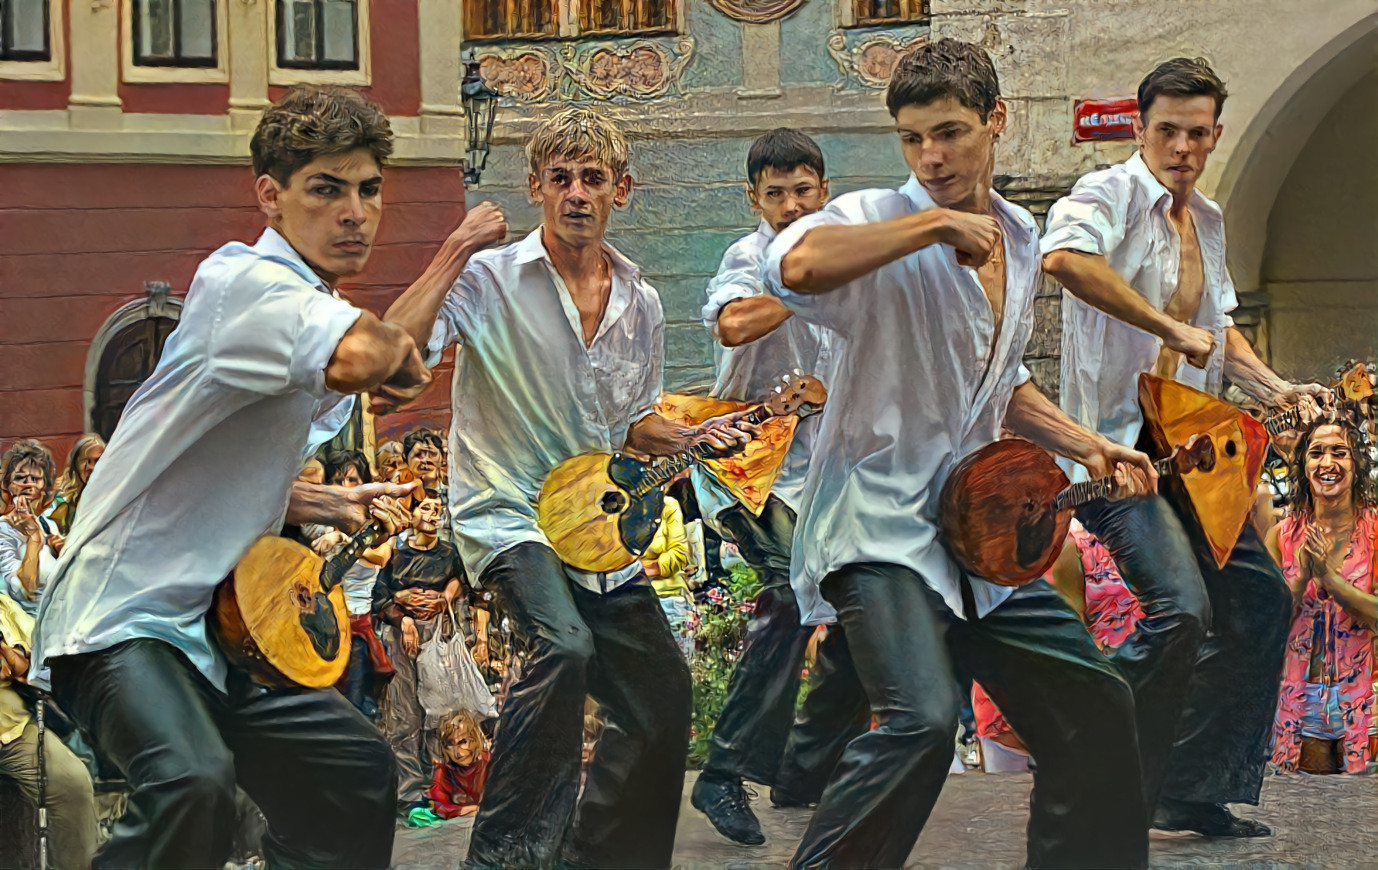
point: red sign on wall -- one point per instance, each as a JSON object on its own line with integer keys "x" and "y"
{"x": 1102, "y": 120}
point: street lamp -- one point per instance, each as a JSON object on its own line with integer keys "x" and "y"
{"x": 480, "y": 109}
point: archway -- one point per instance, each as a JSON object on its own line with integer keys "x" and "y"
{"x": 124, "y": 353}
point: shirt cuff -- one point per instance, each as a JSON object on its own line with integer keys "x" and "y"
{"x": 1023, "y": 376}
{"x": 1070, "y": 237}
{"x": 319, "y": 341}
{"x": 720, "y": 299}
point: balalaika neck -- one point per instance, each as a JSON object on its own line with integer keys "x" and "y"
{"x": 1089, "y": 490}
{"x": 1285, "y": 421}
{"x": 661, "y": 471}
{"x": 333, "y": 571}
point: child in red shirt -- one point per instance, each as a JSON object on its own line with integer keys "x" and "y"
{"x": 457, "y": 786}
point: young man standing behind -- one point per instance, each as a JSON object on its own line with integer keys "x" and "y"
{"x": 760, "y": 341}
{"x": 1142, "y": 254}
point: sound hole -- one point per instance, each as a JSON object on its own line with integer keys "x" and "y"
{"x": 612, "y": 502}
{"x": 1231, "y": 449}
{"x": 301, "y": 596}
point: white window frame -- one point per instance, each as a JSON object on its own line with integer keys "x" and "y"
{"x": 54, "y": 69}
{"x": 279, "y": 75}
{"x": 132, "y": 73}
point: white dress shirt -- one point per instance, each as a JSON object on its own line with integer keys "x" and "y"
{"x": 13, "y": 545}
{"x": 529, "y": 394}
{"x": 917, "y": 386}
{"x": 1121, "y": 213}
{"x": 202, "y": 462}
{"x": 749, "y": 371}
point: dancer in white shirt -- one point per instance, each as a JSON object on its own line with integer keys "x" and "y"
{"x": 931, "y": 289}
{"x": 1141, "y": 252}
{"x": 560, "y": 353}
{"x": 759, "y": 341}
{"x": 256, "y": 376}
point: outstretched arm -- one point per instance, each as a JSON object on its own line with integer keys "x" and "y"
{"x": 743, "y": 321}
{"x": 1090, "y": 278}
{"x": 832, "y": 255}
{"x": 1252, "y": 375}
{"x": 1033, "y": 416}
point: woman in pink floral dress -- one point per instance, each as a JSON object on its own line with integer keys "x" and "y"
{"x": 1326, "y": 550}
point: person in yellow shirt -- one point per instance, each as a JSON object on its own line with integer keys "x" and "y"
{"x": 664, "y": 563}
{"x": 72, "y": 826}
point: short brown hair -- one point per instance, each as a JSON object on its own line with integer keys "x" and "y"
{"x": 311, "y": 121}
{"x": 948, "y": 68}
{"x": 577, "y": 134}
{"x": 459, "y": 724}
{"x": 1182, "y": 77}
{"x": 23, "y": 452}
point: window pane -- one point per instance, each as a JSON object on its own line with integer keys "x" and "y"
{"x": 298, "y": 31}
{"x": 198, "y": 29}
{"x": 155, "y": 30}
{"x": 28, "y": 31}
{"x": 339, "y": 26}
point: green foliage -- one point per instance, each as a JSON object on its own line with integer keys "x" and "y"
{"x": 721, "y": 633}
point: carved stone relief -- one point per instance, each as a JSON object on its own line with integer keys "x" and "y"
{"x": 756, "y": 11}
{"x": 615, "y": 70}
{"x": 871, "y": 60}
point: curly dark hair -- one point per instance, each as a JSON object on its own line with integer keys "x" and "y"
{"x": 337, "y": 464}
{"x": 1299, "y": 486}
{"x": 311, "y": 121}
{"x": 22, "y": 453}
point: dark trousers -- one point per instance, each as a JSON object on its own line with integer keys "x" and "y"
{"x": 1205, "y": 663}
{"x": 749, "y": 736}
{"x": 619, "y": 649}
{"x": 320, "y": 773}
{"x": 1038, "y": 663}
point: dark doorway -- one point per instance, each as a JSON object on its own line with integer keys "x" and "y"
{"x": 127, "y": 361}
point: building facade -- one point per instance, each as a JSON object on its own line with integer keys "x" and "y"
{"x": 694, "y": 81}
{"x": 124, "y": 131}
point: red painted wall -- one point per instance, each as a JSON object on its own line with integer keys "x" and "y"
{"x": 175, "y": 98}
{"x": 77, "y": 241}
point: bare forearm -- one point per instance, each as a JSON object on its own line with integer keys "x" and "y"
{"x": 369, "y": 355}
{"x": 1251, "y": 374}
{"x": 1360, "y": 605}
{"x": 28, "y": 568}
{"x": 654, "y": 435}
{"x": 416, "y": 309}
{"x": 743, "y": 321}
{"x": 1090, "y": 278}
{"x": 829, "y": 256}
{"x": 1032, "y": 415}
{"x": 313, "y": 503}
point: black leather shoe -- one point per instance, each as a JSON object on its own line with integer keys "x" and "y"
{"x": 724, "y": 801}
{"x": 1209, "y": 820}
{"x": 783, "y": 798}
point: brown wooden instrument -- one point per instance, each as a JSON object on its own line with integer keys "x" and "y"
{"x": 600, "y": 511}
{"x": 1354, "y": 387}
{"x": 1005, "y": 509}
{"x": 281, "y": 615}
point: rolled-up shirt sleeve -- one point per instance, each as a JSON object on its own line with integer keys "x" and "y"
{"x": 1023, "y": 376}
{"x": 1091, "y": 219}
{"x": 457, "y": 313}
{"x": 739, "y": 277}
{"x": 834, "y": 309}
{"x": 279, "y": 339}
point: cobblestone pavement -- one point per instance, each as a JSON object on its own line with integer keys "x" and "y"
{"x": 1320, "y": 822}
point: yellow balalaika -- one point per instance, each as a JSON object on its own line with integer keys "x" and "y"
{"x": 281, "y": 615}
{"x": 600, "y": 511}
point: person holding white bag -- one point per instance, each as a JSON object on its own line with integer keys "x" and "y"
{"x": 416, "y": 598}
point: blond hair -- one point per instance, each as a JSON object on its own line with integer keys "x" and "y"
{"x": 462, "y": 723}
{"x": 579, "y": 134}
{"x": 71, "y": 484}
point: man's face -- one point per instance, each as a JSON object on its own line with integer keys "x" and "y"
{"x": 424, "y": 462}
{"x": 785, "y": 197}
{"x": 577, "y": 197}
{"x": 26, "y": 481}
{"x": 348, "y": 477}
{"x": 1329, "y": 463}
{"x": 88, "y": 461}
{"x": 328, "y": 211}
{"x": 426, "y": 517}
{"x": 949, "y": 150}
{"x": 389, "y": 463}
{"x": 1176, "y": 137}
